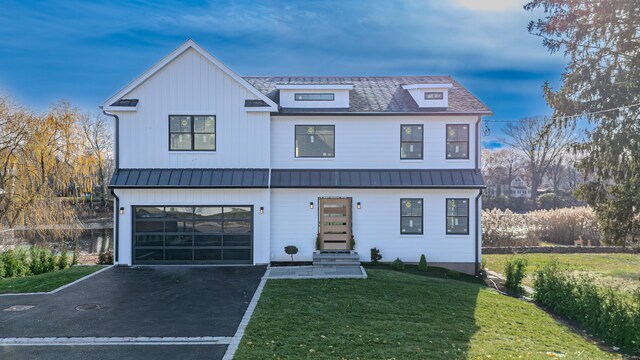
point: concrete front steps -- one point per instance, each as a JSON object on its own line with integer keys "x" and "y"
{"x": 324, "y": 258}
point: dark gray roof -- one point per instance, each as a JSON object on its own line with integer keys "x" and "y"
{"x": 255, "y": 103}
{"x": 126, "y": 103}
{"x": 377, "y": 179}
{"x": 190, "y": 178}
{"x": 377, "y": 94}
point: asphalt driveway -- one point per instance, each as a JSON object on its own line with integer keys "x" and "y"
{"x": 167, "y": 301}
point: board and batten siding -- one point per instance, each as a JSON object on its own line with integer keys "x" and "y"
{"x": 370, "y": 142}
{"x": 196, "y": 197}
{"x": 192, "y": 85}
{"x": 375, "y": 224}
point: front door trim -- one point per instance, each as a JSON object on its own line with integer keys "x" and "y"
{"x": 337, "y": 234}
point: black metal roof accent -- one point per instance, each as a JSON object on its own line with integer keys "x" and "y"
{"x": 190, "y": 178}
{"x": 255, "y": 103}
{"x": 377, "y": 178}
{"x": 126, "y": 103}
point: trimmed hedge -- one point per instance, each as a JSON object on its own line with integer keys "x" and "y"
{"x": 37, "y": 260}
{"x": 605, "y": 310}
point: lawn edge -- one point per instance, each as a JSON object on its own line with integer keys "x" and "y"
{"x": 246, "y": 318}
{"x": 61, "y": 287}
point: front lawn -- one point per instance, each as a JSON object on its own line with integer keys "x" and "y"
{"x": 45, "y": 282}
{"x": 394, "y": 315}
{"x": 620, "y": 266}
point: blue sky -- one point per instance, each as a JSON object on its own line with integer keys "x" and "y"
{"x": 85, "y": 51}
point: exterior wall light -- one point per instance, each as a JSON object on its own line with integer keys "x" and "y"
{"x": 311, "y": 205}
{"x": 261, "y": 209}
{"x": 121, "y": 211}
{"x": 358, "y": 205}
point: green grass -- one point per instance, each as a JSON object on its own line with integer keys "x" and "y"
{"x": 45, "y": 282}
{"x": 398, "y": 315}
{"x": 620, "y": 266}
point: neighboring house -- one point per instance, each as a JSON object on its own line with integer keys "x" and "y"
{"x": 519, "y": 188}
{"x": 216, "y": 168}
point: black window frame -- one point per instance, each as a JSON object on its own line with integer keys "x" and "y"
{"x": 440, "y": 93}
{"x": 402, "y": 200}
{"x": 193, "y": 233}
{"x": 447, "y": 142}
{"x": 295, "y": 135}
{"x": 297, "y": 95}
{"x": 412, "y": 142}
{"x": 193, "y": 133}
{"x": 447, "y": 216}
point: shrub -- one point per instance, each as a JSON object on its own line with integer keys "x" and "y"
{"x": 397, "y": 264}
{"x": 291, "y": 250}
{"x": 515, "y": 270}
{"x": 74, "y": 259}
{"x": 422, "y": 265}
{"x": 63, "y": 260}
{"x": 483, "y": 266}
{"x": 353, "y": 242}
{"x": 105, "y": 258}
{"x": 375, "y": 255}
{"x": 36, "y": 265}
{"x": 453, "y": 274}
{"x": 51, "y": 262}
{"x": 15, "y": 263}
{"x": 604, "y": 309}
{"x": 318, "y": 243}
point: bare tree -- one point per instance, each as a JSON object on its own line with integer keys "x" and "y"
{"x": 541, "y": 143}
{"x": 97, "y": 135}
{"x": 501, "y": 167}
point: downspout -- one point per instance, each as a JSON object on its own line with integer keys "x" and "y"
{"x": 116, "y": 230}
{"x": 116, "y": 165}
{"x": 478, "y": 227}
{"x": 477, "y": 168}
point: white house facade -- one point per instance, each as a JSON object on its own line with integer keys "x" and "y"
{"x": 214, "y": 168}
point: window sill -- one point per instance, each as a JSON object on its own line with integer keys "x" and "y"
{"x": 314, "y": 159}
{"x": 192, "y": 152}
{"x": 412, "y": 160}
{"x": 456, "y": 235}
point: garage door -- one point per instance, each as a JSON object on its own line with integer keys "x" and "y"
{"x": 192, "y": 235}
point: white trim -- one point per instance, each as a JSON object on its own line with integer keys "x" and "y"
{"x": 189, "y": 44}
{"x": 258, "y": 109}
{"x": 61, "y": 287}
{"x": 235, "y": 341}
{"x": 427, "y": 86}
{"x": 314, "y": 86}
{"x": 121, "y": 108}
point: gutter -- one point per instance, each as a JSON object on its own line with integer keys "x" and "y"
{"x": 116, "y": 165}
{"x": 477, "y": 232}
{"x": 116, "y": 228}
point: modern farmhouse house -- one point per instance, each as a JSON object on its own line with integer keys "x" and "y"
{"x": 215, "y": 168}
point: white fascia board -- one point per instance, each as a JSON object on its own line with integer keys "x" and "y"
{"x": 427, "y": 86}
{"x": 120, "y": 108}
{"x": 189, "y": 44}
{"x": 259, "y": 109}
{"x": 314, "y": 87}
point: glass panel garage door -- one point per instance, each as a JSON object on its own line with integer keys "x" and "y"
{"x": 192, "y": 235}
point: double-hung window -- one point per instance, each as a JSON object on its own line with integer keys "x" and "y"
{"x": 192, "y": 133}
{"x": 411, "y": 141}
{"x": 411, "y": 211}
{"x": 457, "y": 216}
{"x": 315, "y": 141}
{"x": 457, "y": 141}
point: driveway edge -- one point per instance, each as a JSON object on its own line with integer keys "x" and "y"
{"x": 235, "y": 340}
{"x": 61, "y": 287}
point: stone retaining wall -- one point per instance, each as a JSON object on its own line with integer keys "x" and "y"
{"x": 558, "y": 250}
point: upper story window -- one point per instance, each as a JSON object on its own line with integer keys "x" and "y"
{"x": 457, "y": 141}
{"x": 411, "y": 216}
{"x": 314, "y": 97}
{"x": 458, "y": 216}
{"x": 434, "y": 95}
{"x": 192, "y": 132}
{"x": 411, "y": 141}
{"x": 315, "y": 141}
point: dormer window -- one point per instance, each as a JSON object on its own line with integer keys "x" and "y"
{"x": 434, "y": 95}
{"x": 314, "y": 96}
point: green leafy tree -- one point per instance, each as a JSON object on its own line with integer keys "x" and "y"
{"x": 601, "y": 84}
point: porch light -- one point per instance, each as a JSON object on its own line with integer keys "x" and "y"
{"x": 358, "y": 204}
{"x": 311, "y": 205}
{"x": 261, "y": 209}
{"x": 121, "y": 211}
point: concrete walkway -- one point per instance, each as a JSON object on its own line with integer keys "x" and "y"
{"x": 317, "y": 272}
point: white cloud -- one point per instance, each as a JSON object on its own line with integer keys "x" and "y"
{"x": 491, "y": 5}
